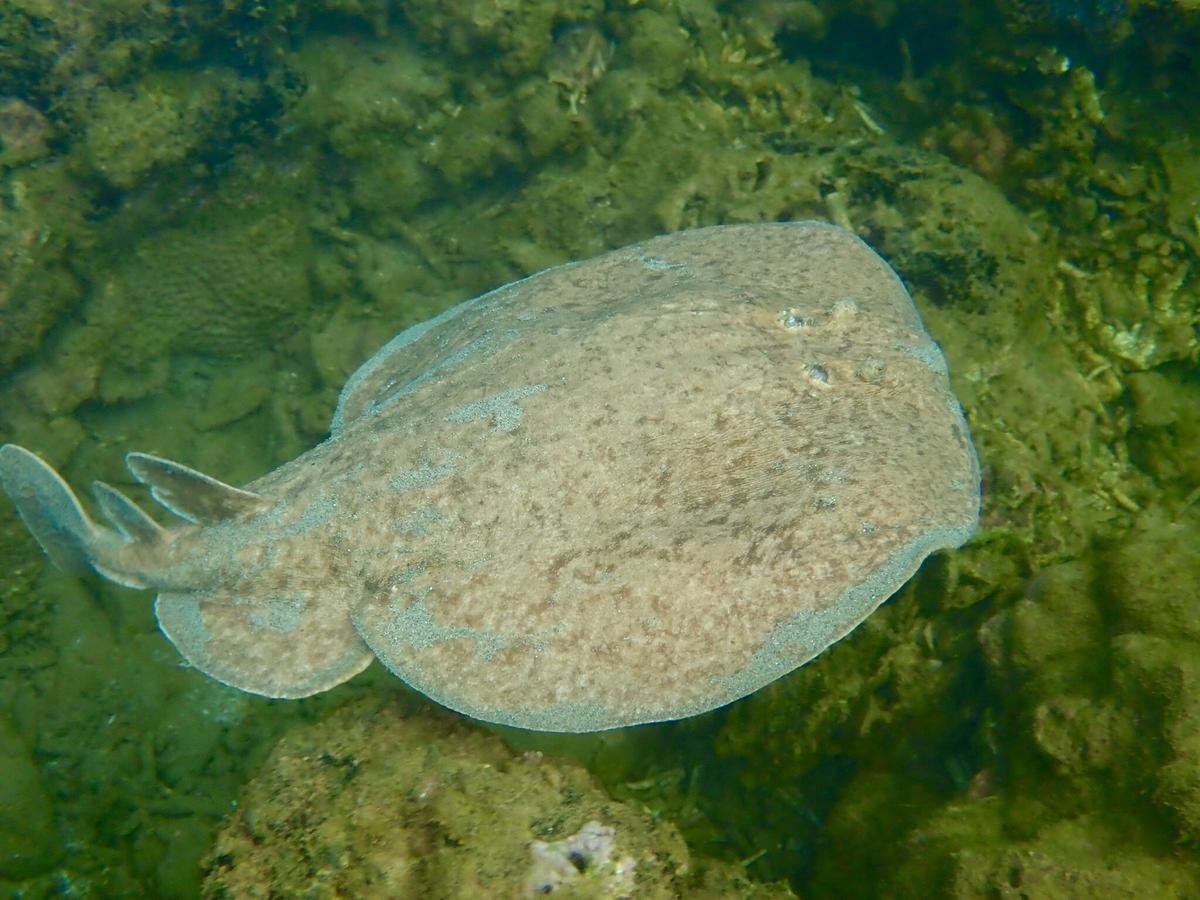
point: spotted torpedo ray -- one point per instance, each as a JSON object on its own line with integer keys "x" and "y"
{"x": 623, "y": 490}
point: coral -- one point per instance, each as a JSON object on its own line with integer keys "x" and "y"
{"x": 216, "y": 284}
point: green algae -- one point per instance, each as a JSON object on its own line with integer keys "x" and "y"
{"x": 231, "y": 208}
{"x": 159, "y": 122}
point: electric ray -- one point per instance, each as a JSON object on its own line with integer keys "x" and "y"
{"x": 623, "y": 490}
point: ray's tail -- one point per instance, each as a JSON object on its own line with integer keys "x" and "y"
{"x": 51, "y": 510}
{"x": 131, "y": 547}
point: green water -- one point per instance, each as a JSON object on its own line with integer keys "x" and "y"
{"x": 211, "y": 213}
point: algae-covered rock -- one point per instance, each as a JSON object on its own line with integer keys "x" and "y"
{"x": 1053, "y": 621}
{"x": 968, "y": 852}
{"x": 1099, "y": 665}
{"x": 160, "y": 121}
{"x": 375, "y": 802}
{"x": 904, "y": 199}
{"x": 1166, "y": 430}
{"x": 520, "y": 32}
{"x": 24, "y": 132}
{"x": 1152, "y": 578}
{"x": 367, "y": 107}
{"x": 1159, "y": 677}
{"x": 39, "y": 217}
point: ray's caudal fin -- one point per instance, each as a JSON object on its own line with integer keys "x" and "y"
{"x": 125, "y": 552}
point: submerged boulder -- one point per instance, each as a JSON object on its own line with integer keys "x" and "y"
{"x": 377, "y": 802}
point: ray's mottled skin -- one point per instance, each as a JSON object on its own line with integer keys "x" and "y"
{"x": 623, "y": 490}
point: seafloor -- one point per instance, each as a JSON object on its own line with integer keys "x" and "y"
{"x": 211, "y": 212}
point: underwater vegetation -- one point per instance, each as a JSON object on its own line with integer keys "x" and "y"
{"x": 211, "y": 213}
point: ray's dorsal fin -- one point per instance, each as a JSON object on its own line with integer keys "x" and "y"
{"x": 190, "y": 494}
{"x": 125, "y": 515}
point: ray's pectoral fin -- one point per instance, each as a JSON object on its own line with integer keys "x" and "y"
{"x": 190, "y": 494}
{"x": 280, "y": 643}
{"x": 261, "y": 631}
